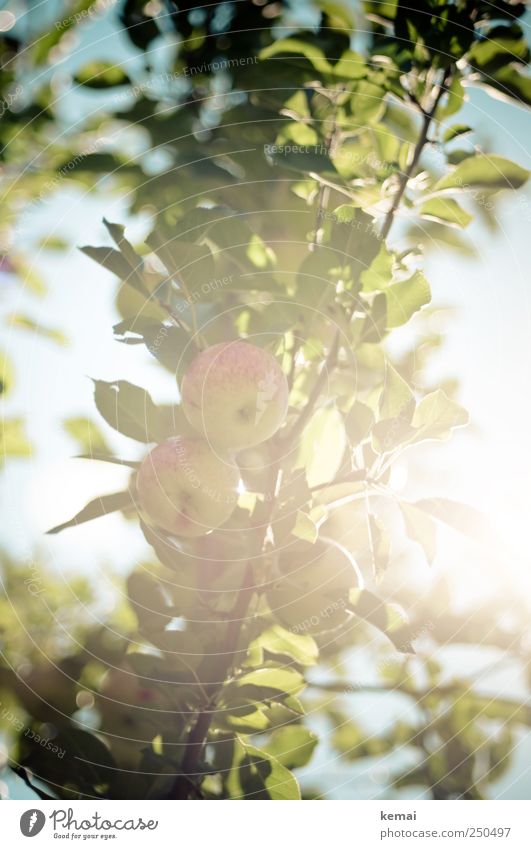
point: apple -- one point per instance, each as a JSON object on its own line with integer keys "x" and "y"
{"x": 235, "y": 394}
{"x": 185, "y": 488}
{"x": 133, "y": 711}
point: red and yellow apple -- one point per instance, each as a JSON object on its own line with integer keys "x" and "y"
{"x": 133, "y": 711}
{"x": 235, "y": 394}
{"x": 185, "y": 488}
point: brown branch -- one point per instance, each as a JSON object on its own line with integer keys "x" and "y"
{"x": 324, "y": 190}
{"x": 427, "y": 118}
{"x": 199, "y": 732}
{"x": 307, "y": 411}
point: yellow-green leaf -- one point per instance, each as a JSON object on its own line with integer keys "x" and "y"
{"x": 406, "y": 298}
{"x": 482, "y": 171}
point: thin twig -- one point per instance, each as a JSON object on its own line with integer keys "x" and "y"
{"x": 307, "y": 411}
{"x": 427, "y": 118}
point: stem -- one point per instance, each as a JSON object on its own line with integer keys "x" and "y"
{"x": 328, "y": 365}
{"x": 427, "y": 118}
{"x": 199, "y": 731}
{"x": 176, "y": 320}
{"x": 324, "y": 190}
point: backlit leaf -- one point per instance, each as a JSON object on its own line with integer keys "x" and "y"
{"x": 482, "y": 171}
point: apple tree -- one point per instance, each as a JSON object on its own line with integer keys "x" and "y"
{"x": 284, "y": 252}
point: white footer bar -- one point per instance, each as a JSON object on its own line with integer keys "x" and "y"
{"x": 257, "y": 825}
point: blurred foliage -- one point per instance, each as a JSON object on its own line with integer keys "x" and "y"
{"x": 254, "y": 123}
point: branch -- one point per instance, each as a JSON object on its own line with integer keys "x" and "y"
{"x": 427, "y": 118}
{"x": 199, "y": 732}
{"x": 324, "y": 190}
{"x": 307, "y": 411}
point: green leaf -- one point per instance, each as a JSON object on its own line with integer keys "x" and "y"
{"x": 101, "y": 506}
{"x": 454, "y": 99}
{"x": 265, "y": 683}
{"x": 148, "y": 601}
{"x": 299, "y": 132}
{"x": 101, "y": 75}
{"x": 312, "y": 159}
{"x": 500, "y": 47}
{"x": 111, "y": 259}
{"x": 87, "y": 435}
{"x": 128, "y": 409}
{"x": 387, "y": 618}
{"x": 388, "y": 434}
{"x": 460, "y": 517}
{"x": 192, "y": 266}
{"x": 322, "y": 446}
{"x": 277, "y": 781}
{"x": 259, "y": 253}
{"x": 7, "y": 374}
{"x": 367, "y": 104}
{"x": 406, "y": 298}
{"x": 53, "y": 243}
{"x": 14, "y": 442}
{"x": 183, "y": 651}
{"x": 456, "y": 130}
{"x": 437, "y": 415}
{"x": 378, "y": 549}
{"x": 170, "y": 421}
{"x": 510, "y": 83}
{"x": 251, "y": 723}
{"x": 172, "y": 346}
{"x": 87, "y": 762}
{"x": 279, "y": 641}
{"x": 379, "y": 275}
{"x": 446, "y": 211}
{"x": 358, "y": 423}
{"x": 482, "y": 171}
{"x": 134, "y": 261}
{"x": 294, "y": 48}
{"x": 24, "y": 322}
{"x": 292, "y": 745}
{"x": 421, "y": 529}
{"x": 251, "y": 773}
{"x": 29, "y": 274}
{"x": 397, "y": 399}
{"x": 351, "y": 66}
{"x": 305, "y": 528}
{"x": 298, "y": 104}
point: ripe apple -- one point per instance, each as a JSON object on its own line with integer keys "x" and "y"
{"x": 133, "y": 711}
{"x": 186, "y": 489}
{"x": 235, "y": 394}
